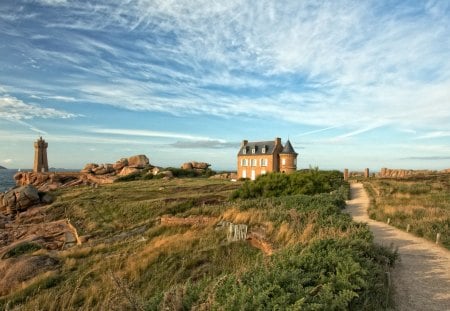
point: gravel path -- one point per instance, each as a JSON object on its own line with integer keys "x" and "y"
{"x": 421, "y": 278}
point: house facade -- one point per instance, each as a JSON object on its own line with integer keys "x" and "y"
{"x": 262, "y": 157}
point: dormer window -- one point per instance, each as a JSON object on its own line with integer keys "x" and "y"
{"x": 253, "y": 150}
{"x": 244, "y": 151}
{"x": 263, "y": 150}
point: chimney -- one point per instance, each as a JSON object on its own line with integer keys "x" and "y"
{"x": 244, "y": 142}
{"x": 277, "y": 141}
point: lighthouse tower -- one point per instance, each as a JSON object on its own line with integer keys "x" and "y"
{"x": 40, "y": 156}
{"x": 288, "y": 159}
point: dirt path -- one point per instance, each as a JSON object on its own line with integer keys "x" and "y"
{"x": 421, "y": 278}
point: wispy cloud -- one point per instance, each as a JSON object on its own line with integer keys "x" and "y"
{"x": 7, "y": 161}
{"x": 435, "y": 134}
{"x": 146, "y": 133}
{"x": 311, "y": 63}
{"x": 427, "y": 158}
{"x": 205, "y": 144}
{"x": 12, "y": 108}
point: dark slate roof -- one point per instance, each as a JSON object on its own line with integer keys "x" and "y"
{"x": 258, "y": 145}
{"x": 288, "y": 149}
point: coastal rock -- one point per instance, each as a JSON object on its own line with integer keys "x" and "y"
{"x": 156, "y": 170}
{"x": 195, "y": 165}
{"x": 127, "y": 170}
{"x": 402, "y": 173}
{"x": 88, "y": 168}
{"x": 138, "y": 161}
{"x": 187, "y": 166}
{"x": 120, "y": 164}
{"x": 103, "y": 169}
{"x": 19, "y": 199}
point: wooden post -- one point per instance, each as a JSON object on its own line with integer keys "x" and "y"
{"x": 438, "y": 238}
{"x": 408, "y": 227}
{"x": 346, "y": 174}
{"x": 388, "y": 221}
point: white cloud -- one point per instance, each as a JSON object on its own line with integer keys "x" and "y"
{"x": 435, "y": 134}
{"x": 146, "y": 133}
{"x": 7, "y": 161}
{"x": 334, "y": 64}
{"x": 14, "y": 109}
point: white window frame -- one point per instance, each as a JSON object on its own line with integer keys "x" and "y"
{"x": 263, "y": 172}
{"x": 263, "y": 150}
{"x": 244, "y": 151}
{"x": 253, "y": 150}
{"x": 263, "y": 162}
{"x": 253, "y": 162}
{"x": 283, "y": 161}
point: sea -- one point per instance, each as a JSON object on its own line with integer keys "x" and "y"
{"x": 6, "y": 179}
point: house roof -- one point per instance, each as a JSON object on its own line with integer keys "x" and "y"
{"x": 258, "y": 146}
{"x": 288, "y": 149}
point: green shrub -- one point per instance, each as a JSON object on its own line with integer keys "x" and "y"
{"x": 327, "y": 275}
{"x": 308, "y": 182}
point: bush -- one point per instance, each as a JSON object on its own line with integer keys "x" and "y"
{"x": 308, "y": 182}
{"x": 326, "y": 275}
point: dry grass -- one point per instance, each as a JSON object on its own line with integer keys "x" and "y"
{"x": 424, "y": 205}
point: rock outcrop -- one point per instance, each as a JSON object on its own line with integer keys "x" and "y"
{"x": 19, "y": 199}
{"x": 138, "y": 161}
{"x": 224, "y": 176}
{"x": 91, "y": 174}
{"x": 402, "y": 173}
{"x": 195, "y": 165}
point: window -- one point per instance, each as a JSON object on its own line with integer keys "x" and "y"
{"x": 263, "y": 150}
{"x": 263, "y": 172}
{"x": 244, "y": 162}
{"x": 283, "y": 162}
{"x": 263, "y": 162}
{"x": 295, "y": 161}
{"x": 244, "y": 174}
{"x": 253, "y": 150}
{"x": 244, "y": 151}
{"x": 253, "y": 162}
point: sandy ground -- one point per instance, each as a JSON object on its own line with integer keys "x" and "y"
{"x": 421, "y": 278}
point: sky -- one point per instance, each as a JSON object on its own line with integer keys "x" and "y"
{"x": 352, "y": 84}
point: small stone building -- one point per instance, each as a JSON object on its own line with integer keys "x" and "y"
{"x": 262, "y": 157}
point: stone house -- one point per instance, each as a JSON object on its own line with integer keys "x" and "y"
{"x": 262, "y": 157}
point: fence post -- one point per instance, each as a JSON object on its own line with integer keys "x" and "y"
{"x": 408, "y": 227}
{"x": 388, "y": 221}
{"x": 438, "y": 238}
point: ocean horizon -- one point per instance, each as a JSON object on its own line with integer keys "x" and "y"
{"x": 6, "y": 179}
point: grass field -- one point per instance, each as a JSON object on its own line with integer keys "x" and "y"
{"x": 133, "y": 261}
{"x": 422, "y": 203}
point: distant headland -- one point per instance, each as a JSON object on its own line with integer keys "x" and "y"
{"x": 2, "y": 168}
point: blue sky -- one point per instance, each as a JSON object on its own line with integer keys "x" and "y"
{"x": 352, "y": 83}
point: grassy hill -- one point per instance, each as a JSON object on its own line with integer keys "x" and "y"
{"x": 162, "y": 245}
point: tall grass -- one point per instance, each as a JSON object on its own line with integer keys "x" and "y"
{"x": 423, "y": 204}
{"x": 322, "y": 260}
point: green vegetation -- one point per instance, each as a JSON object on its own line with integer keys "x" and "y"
{"x": 20, "y": 249}
{"x": 309, "y": 182}
{"x": 423, "y": 203}
{"x": 321, "y": 259}
{"x": 176, "y": 172}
